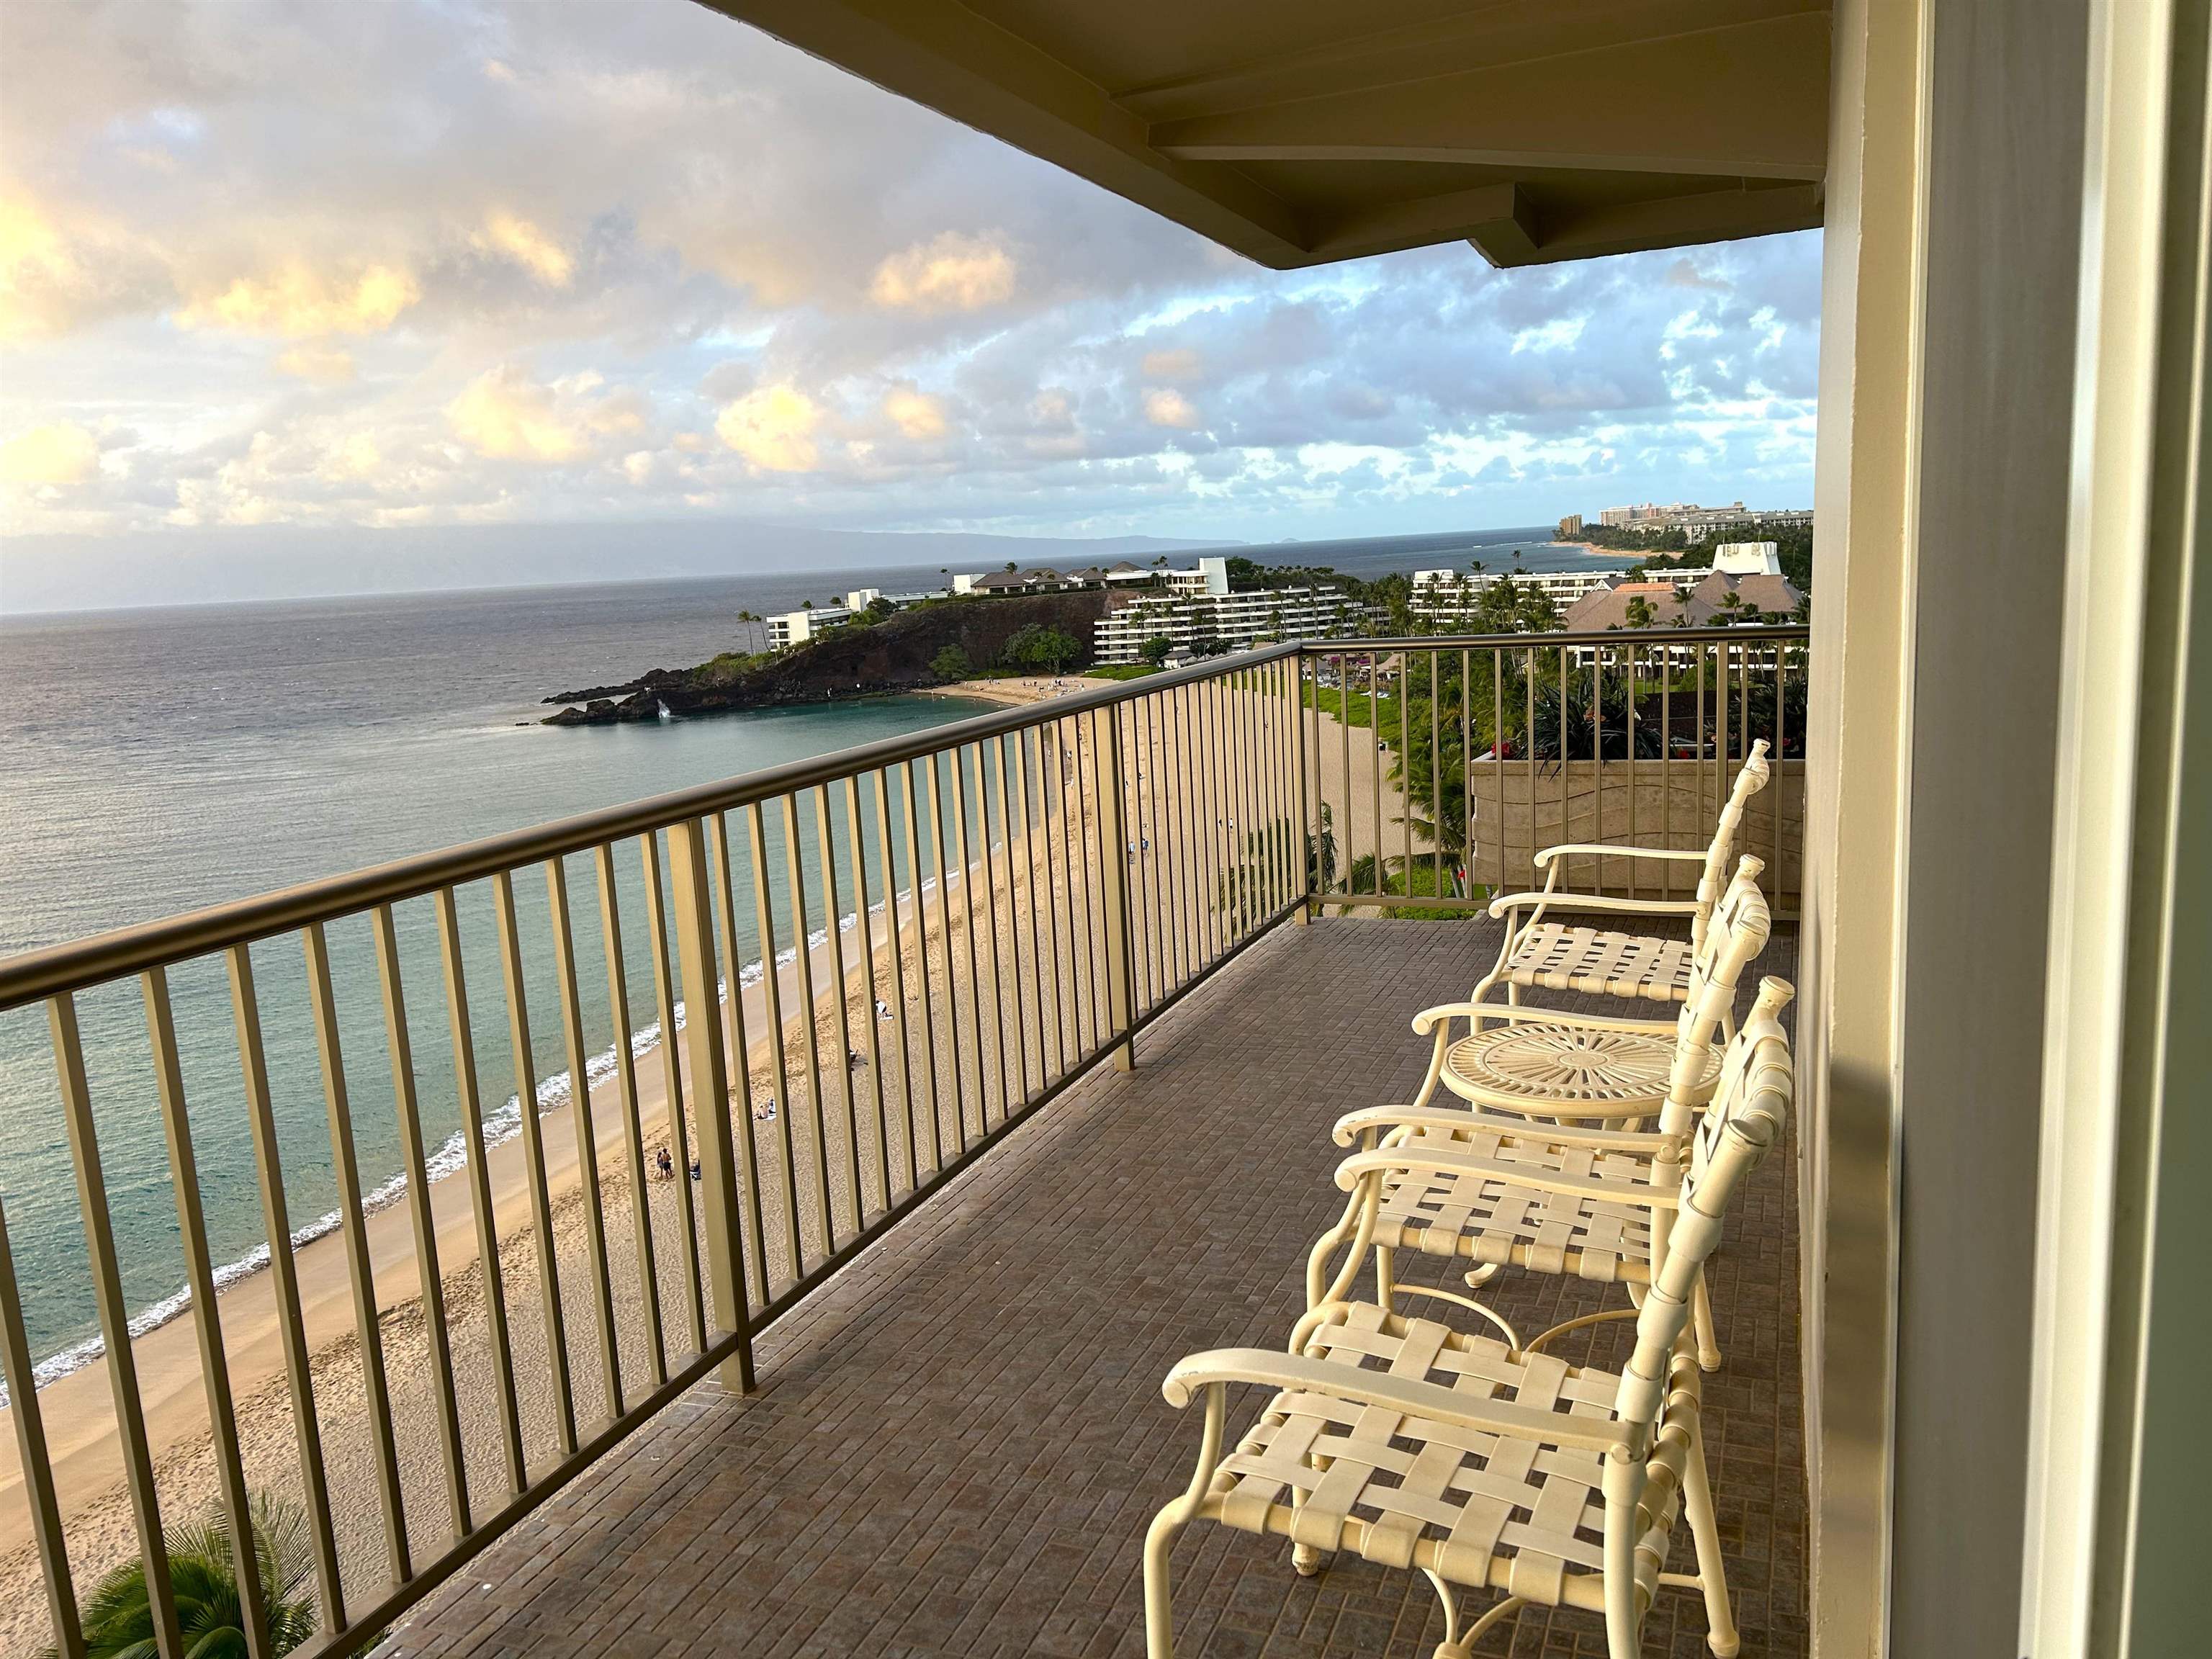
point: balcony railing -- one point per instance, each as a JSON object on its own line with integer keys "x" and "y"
{"x": 951, "y": 929}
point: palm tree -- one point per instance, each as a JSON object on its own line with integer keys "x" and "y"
{"x": 118, "y": 1617}
{"x": 1321, "y": 855}
{"x": 1247, "y": 885}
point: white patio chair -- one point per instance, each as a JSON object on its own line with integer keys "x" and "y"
{"x": 1465, "y": 1181}
{"x": 1567, "y": 1065}
{"x": 1558, "y": 955}
{"x": 1416, "y": 1446}
{"x": 1582, "y": 1201}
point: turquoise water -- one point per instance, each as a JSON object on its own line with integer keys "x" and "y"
{"x": 152, "y": 762}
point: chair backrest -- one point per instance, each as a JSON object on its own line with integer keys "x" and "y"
{"x": 1738, "y": 932}
{"x": 1749, "y": 1109}
{"x": 1713, "y": 880}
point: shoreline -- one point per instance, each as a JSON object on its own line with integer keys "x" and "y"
{"x": 853, "y": 1157}
{"x": 503, "y": 1123}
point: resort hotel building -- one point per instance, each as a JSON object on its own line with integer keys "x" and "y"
{"x": 1199, "y": 614}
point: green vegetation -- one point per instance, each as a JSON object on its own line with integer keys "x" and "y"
{"x": 1423, "y": 881}
{"x": 1041, "y": 650}
{"x": 1157, "y": 649}
{"x": 729, "y": 665}
{"x": 952, "y": 664}
{"x": 118, "y": 1615}
{"x": 1121, "y": 671}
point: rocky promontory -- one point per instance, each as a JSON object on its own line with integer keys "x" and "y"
{"x": 900, "y": 653}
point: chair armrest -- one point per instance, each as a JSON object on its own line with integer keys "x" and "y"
{"x": 1625, "y": 907}
{"x": 1510, "y": 1012}
{"x": 1580, "y": 847}
{"x": 1443, "y": 1160}
{"x": 1353, "y": 1125}
{"x": 1413, "y": 1396}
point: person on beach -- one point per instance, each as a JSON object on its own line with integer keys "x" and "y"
{"x": 695, "y": 1168}
{"x": 883, "y": 1011}
{"x": 765, "y": 1112}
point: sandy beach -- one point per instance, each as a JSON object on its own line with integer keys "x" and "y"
{"x": 987, "y": 1013}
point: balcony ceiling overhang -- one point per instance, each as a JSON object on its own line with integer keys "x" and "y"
{"x": 1302, "y": 131}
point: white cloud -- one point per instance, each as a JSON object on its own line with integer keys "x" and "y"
{"x": 329, "y": 365}
{"x": 916, "y": 414}
{"x": 1164, "y": 406}
{"x": 442, "y": 219}
{"x": 508, "y": 414}
{"x": 1179, "y": 365}
{"x": 296, "y": 303}
{"x": 517, "y": 240}
{"x": 52, "y": 456}
{"x": 950, "y": 272}
{"x": 773, "y": 428}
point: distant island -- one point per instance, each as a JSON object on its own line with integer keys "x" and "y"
{"x": 908, "y": 650}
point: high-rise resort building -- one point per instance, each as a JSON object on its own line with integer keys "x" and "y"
{"x": 1197, "y": 613}
{"x": 1698, "y": 522}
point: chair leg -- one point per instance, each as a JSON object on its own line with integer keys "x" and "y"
{"x": 1706, "y": 1533}
{"x": 1159, "y": 1619}
{"x": 1701, "y": 1312}
{"x": 1460, "y": 1643}
{"x": 1386, "y": 1281}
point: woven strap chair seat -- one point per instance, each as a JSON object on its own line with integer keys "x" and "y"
{"x": 1482, "y": 1510}
{"x": 1528, "y": 1066}
{"x": 1554, "y": 956}
{"x": 1485, "y": 1217}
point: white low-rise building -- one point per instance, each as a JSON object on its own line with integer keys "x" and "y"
{"x": 797, "y": 627}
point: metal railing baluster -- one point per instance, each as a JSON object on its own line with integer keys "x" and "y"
{"x": 284, "y": 1279}
{"x": 1009, "y": 1097}
{"x": 963, "y": 851}
{"x": 864, "y": 924}
{"x": 842, "y": 990}
{"x": 633, "y": 1126}
{"x": 897, "y": 951}
{"x": 738, "y": 1054}
{"x": 533, "y": 1152}
{"x": 29, "y": 1422}
{"x": 478, "y": 1174}
{"x": 207, "y": 1318}
{"x": 710, "y": 1084}
{"x": 942, "y": 866}
{"x": 919, "y": 901}
{"x": 780, "y": 1096}
{"x": 672, "y": 1073}
{"x": 361, "y": 1267}
{"x": 802, "y": 947}
{"x": 413, "y": 1169}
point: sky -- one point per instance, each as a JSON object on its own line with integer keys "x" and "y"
{"x": 406, "y": 267}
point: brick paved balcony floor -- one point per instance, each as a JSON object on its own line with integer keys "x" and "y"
{"x": 956, "y": 1447}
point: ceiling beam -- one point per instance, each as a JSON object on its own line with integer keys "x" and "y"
{"x": 1667, "y": 221}
{"x": 1491, "y": 217}
{"x": 1485, "y": 36}
{"x": 1749, "y": 101}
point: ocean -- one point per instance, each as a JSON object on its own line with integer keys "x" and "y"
{"x": 155, "y": 761}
